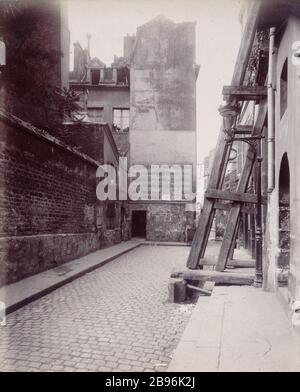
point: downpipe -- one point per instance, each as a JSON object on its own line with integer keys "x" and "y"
{"x": 271, "y": 114}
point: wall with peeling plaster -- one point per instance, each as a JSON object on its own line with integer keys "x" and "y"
{"x": 163, "y": 92}
{"x": 287, "y": 141}
{"x": 163, "y": 108}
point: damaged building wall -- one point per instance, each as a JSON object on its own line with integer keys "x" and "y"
{"x": 163, "y": 77}
{"x": 163, "y": 106}
{"x": 280, "y": 268}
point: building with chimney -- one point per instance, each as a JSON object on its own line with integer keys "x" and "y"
{"x": 104, "y": 91}
{"x": 148, "y": 97}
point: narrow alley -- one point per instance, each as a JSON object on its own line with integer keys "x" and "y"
{"x": 149, "y": 192}
{"x": 116, "y": 318}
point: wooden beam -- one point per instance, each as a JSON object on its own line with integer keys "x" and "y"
{"x": 233, "y": 216}
{"x": 245, "y": 93}
{"x": 245, "y": 48}
{"x": 237, "y": 263}
{"x": 223, "y": 149}
{"x": 227, "y": 277}
{"x": 244, "y": 129}
{"x": 227, "y": 206}
{"x": 232, "y": 196}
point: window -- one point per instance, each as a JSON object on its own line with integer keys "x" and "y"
{"x": 95, "y": 115}
{"x": 283, "y": 88}
{"x": 123, "y": 76}
{"x": 121, "y": 120}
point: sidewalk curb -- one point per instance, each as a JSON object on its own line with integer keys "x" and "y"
{"x": 19, "y": 304}
{"x": 71, "y": 277}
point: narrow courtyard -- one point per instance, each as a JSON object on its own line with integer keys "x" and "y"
{"x": 116, "y": 318}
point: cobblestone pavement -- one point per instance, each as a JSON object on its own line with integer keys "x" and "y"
{"x": 116, "y": 318}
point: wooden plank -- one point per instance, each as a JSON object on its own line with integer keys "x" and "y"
{"x": 237, "y": 263}
{"x": 232, "y": 196}
{"x": 226, "y": 277}
{"x": 196, "y": 288}
{"x": 245, "y": 93}
{"x": 242, "y": 187}
{"x": 233, "y": 242}
{"x": 223, "y": 149}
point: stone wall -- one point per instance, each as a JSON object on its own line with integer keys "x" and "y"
{"x": 169, "y": 222}
{"x": 49, "y": 211}
{"x": 22, "y": 256}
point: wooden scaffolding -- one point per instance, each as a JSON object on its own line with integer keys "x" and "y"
{"x": 235, "y": 95}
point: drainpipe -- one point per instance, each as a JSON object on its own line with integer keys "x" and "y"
{"x": 271, "y": 115}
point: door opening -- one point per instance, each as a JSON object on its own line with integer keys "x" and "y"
{"x": 138, "y": 224}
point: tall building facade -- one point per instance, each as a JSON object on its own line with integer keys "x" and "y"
{"x": 163, "y": 77}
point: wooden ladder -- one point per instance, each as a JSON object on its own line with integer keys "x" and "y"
{"x": 235, "y": 93}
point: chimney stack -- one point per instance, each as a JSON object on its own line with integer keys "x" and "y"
{"x": 88, "y": 43}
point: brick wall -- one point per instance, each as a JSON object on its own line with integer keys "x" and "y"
{"x": 87, "y": 138}
{"x": 49, "y": 213}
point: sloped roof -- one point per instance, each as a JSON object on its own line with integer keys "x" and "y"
{"x": 95, "y": 63}
{"x": 158, "y": 19}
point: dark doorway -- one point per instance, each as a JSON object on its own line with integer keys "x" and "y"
{"x": 284, "y": 214}
{"x": 138, "y": 224}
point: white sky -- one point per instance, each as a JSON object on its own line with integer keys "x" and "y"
{"x": 217, "y": 41}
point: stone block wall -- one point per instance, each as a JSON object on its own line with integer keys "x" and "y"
{"x": 169, "y": 222}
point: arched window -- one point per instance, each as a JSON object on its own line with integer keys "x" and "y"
{"x": 284, "y": 214}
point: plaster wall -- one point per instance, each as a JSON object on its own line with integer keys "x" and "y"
{"x": 287, "y": 141}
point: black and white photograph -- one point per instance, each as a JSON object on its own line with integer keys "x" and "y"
{"x": 149, "y": 190}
